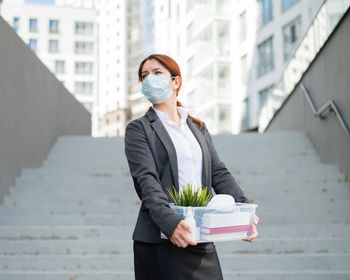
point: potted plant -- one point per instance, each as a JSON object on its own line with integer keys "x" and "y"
{"x": 190, "y": 197}
{"x": 190, "y": 203}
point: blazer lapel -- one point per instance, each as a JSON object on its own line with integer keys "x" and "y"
{"x": 205, "y": 152}
{"x": 163, "y": 135}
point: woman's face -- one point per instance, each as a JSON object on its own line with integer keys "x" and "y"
{"x": 154, "y": 67}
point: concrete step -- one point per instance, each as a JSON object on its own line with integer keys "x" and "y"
{"x": 105, "y": 246}
{"x": 327, "y": 201}
{"x": 319, "y": 174}
{"x": 287, "y": 275}
{"x": 231, "y": 262}
{"x": 99, "y": 232}
{"x": 129, "y": 275}
{"x": 130, "y": 217}
{"x": 71, "y": 209}
{"x": 32, "y": 194}
{"x": 285, "y": 262}
{"x": 67, "y": 275}
{"x": 27, "y": 219}
{"x": 73, "y": 217}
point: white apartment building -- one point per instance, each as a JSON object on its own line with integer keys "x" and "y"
{"x": 125, "y": 38}
{"x": 230, "y": 53}
{"x": 269, "y": 31}
{"x": 76, "y": 3}
{"x": 65, "y": 39}
{"x": 140, "y": 45}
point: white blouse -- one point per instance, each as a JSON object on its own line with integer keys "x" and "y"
{"x": 188, "y": 150}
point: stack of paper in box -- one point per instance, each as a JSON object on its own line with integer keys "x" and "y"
{"x": 224, "y": 226}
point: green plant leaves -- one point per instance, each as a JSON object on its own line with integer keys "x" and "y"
{"x": 190, "y": 197}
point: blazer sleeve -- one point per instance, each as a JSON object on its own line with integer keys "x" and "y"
{"x": 144, "y": 172}
{"x": 222, "y": 180}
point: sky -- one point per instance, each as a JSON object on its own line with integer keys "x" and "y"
{"x": 41, "y": 1}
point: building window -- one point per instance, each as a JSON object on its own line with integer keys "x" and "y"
{"x": 33, "y": 25}
{"x": 245, "y": 114}
{"x": 15, "y": 24}
{"x": 263, "y": 95}
{"x": 244, "y": 69}
{"x": 223, "y": 76}
{"x": 286, "y": 4}
{"x": 83, "y": 28}
{"x": 33, "y": 44}
{"x": 190, "y": 66}
{"x": 84, "y": 88}
{"x": 291, "y": 35}
{"x": 53, "y": 46}
{"x": 83, "y": 48}
{"x": 243, "y": 26}
{"x": 53, "y": 26}
{"x": 224, "y": 119}
{"x": 59, "y": 67}
{"x": 84, "y": 68}
{"x": 223, "y": 35}
{"x": 266, "y": 11}
{"x": 265, "y": 57}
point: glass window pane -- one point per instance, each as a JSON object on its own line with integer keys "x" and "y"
{"x": 286, "y": 4}
{"x": 15, "y": 24}
{"x": 53, "y": 26}
{"x": 53, "y": 46}
{"x": 83, "y": 28}
{"x": 83, "y": 47}
{"x": 291, "y": 35}
{"x": 59, "y": 67}
{"x": 33, "y": 25}
{"x": 33, "y": 44}
{"x": 245, "y": 114}
{"x": 84, "y": 68}
{"x": 83, "y": 88}
{"x": 265, "y": 57}
{"x": 266, "y": 11}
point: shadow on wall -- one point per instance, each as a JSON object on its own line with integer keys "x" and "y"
{"x": 327, "y": 78}
{"x": 35, "y": 108}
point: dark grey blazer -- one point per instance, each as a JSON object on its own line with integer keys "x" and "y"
{"x": 153, "y": 166}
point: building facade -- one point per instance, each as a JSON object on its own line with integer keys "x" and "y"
{"x": 269, "y": 32}
{"x": 230, "y": 53}
{"x": 65, "y": 39}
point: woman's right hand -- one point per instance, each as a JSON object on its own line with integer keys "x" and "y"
{"x": 180, "y": 235}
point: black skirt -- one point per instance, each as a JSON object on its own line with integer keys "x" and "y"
{"x": 166, "y": 261}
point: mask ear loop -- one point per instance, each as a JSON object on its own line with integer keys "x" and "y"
{"x": 173, "y": 78}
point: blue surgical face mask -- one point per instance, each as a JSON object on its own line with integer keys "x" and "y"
{"x": 156, "y": 88}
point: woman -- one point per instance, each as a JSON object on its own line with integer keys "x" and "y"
{"x": 168, "y": 147}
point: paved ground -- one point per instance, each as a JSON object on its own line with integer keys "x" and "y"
{"x": 73, "y": 217}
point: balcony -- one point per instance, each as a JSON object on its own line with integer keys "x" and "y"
{"x": 323, "y": 24}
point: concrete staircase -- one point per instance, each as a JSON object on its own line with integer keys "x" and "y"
{"x": 73, "y": 218}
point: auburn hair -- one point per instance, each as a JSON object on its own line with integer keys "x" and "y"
{"x": 174, "y": 69}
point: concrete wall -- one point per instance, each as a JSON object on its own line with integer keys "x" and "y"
{"x": 328, "y": 77}
{"x": 35, "y": 108}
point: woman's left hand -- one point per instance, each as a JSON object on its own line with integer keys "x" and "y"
{"x": 255, "y": 232}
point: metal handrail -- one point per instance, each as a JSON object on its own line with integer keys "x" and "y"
{"x": 322, "y": 112}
